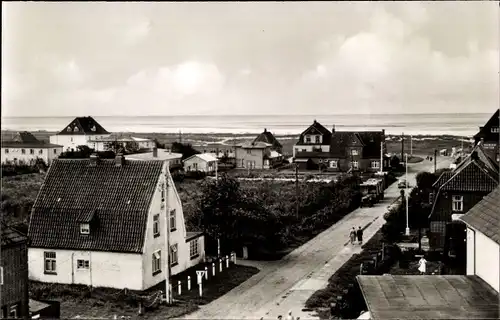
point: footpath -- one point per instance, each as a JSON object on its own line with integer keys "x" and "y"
{"x": 285, "y": 285}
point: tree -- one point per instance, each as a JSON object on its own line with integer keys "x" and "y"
{"x": 395, "y": 161}
{"x": 186, "y": 150}
{"x": 131, "y": 147}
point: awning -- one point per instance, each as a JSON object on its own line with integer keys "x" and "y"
{"x": 429, "y": 297}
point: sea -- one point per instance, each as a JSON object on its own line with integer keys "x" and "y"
{"x": 459, "y": 124}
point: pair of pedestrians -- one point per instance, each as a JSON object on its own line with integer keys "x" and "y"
{"x": 356, "y": 234}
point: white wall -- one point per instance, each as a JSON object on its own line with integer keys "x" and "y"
{"x": 73, "y": 141}
{"x": 46, "y": 154}
{"x": 487, "y": 260}
{"x": 471, "y": 255}
{"x": 309, "y": 148}
{"x": 176, "y": 237}
{"x": 107, "y": 269}
{"x": 202, "y": 165}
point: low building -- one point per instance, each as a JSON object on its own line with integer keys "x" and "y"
{"x": 454, "y": 193}
{"x": 113, "y": 142}
{"x": 174, "y": 159}
{"x": 483, "y": 239}
{"x": 14, "y": 268}
{"x": 340, "y": 151}
{"x": 103, "y": 223}
{"x": 490, "y": 136}
{"x": 25, "y": 148}
{"x": 203, "y": 162}
{"x": 78, "y": 132}
{"x": 257, "y": 155}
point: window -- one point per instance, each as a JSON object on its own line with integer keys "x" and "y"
{"x": 457, "y": 203}
{"x": 82, "y": 264}
{"x": 50, "y": 262}
{"x": 173, "y": 254}
{"x": 69, "y": 130}
{"x": 84, "y": 228}
{"x": 249, "y": 151}
{"x": 354, "y": 152}
{"x": 13, "y": 311}
{"x": 495, "y": 130}
{"x": 172, "y": 220}
{"x": 195, "y": 166}
{"x": 308, "y": 139}
{"x": 40, "y": 151}
{"x": 156, "y": 225}
{"x": 32, "y": 151}
{"x": 355, "y": 165}
{"x": 431, "y": 198}
{"x": 71, "y": 139}
{"x": 76, "y": 129}
{"x": 333, "y": 164}
{"x": 316, "y": 139}
{"x": 6, "y": 150}
{"x": 375, "y": 164}
{"x": 156, "y": 262}
{"x": 23, "y": 151}
{"x": 193, "y": 248}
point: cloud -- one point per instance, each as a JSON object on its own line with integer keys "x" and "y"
{"x": 69, "y": 73}
{"x": 137, "y": 32}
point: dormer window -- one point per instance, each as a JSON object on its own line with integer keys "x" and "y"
{"x": 354, "y": 152}
{"x": 84, "y": 228}
{"x": 76, "y": 129}
{"x": 93, "y": 128}
{"x": 68, "y": 129}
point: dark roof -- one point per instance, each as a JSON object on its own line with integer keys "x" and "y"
{"x": 369, "y": 140}
{"x": 443, "y": 178}
{"x": 25, "y": 139}
{"x": 485, "y": 132}
{"x": 429, "y": 297}
{"x": 316, "y": 128}
{"x": 115, "y": 198}
{"x": 485, "y": 216}
{"x": 268, "y": 137}
{"x": 83, "y": 125}
{"x": 10, "y": 236}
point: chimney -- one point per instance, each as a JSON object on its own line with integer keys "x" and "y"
{"x": 333, "y": 129}
{"x": 265, "y": 129}
{"x": 94, "y": 159}
{"x": 155, "y": 152}
{"x": 119, "y": 160}
{"x": 383, "y": 132}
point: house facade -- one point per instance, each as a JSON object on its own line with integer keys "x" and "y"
{"x": 203, "y": 162}
{"x": 106, "y": 143}
{"x": 107, "y": 226}
{"x": 174, "y": 159}
{"x": 26, "y": 149}
{"x": 268, "y": 137}
{"x": 257, "y": 155}
{"x": 78, "y": 132}
{"x": 456, "y": 192}
{"x": 340, "y": 151}
{"x": 489, "y": 135}
{"x": 483, "y": 239}
{"x": 14, "y": 299}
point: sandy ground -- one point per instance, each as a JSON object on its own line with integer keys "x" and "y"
{"x": 286, "y": 284}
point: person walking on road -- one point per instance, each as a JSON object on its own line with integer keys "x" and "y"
{"x": 359, "y": 234}
{"x": 352, "y": 235}
{"x": 421, "y": 265}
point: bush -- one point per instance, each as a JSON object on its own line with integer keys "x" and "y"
{"x": 197, "y": 175}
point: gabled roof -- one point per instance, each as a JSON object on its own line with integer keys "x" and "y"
{"x": 116, "y": 198}
{"x": 26, "y": 139}
{"x": 83, "y": 125}
{"x": 316, "y": 128}
{"x": 485, "y": 216}
{"x": 10, "y": 236}
{"x": 203, "y": 156}
{"x": 369, "y": 140}
{"x": 268, "y": 137}
{"x": 485, "y": 131}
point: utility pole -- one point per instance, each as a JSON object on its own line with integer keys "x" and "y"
{"x": 435, "y": 161}
{"x": 297, "y": 189}
{"x": 402, "y": 145}
{"x": 381, "y": 156}
{"x": 407, "y": 231}
{"x": 180, "y": 136}
{"x": 411, "y": 146}
{"x": 168, "y": 294}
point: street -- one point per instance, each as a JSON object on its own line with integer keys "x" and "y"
{"x": 286, "y": 284}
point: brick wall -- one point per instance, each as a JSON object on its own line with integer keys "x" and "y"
{"x": 14, "y": 261}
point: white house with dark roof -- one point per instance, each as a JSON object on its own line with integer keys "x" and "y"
{"x": 483, "y": 239}
{"x": 103, "y": 223}
{"x": 78, "y": 132}
{"x": 25, "y": 148}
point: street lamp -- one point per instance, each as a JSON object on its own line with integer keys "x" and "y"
{"x": 407, "y": 230}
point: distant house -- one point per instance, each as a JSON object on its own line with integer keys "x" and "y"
{"x": 174, "y": 159}
{"x": 14, "y": 274}
{"x": 268, "y": 137}
{"x": 483, "y": 239}
{"x": 107, "y": 143}
{"x": 78, "y": 132}
{"x": 25, "y": 148}
{"x": 455, "y": 193}
{"x": 202, "y": 162}
{"x": 102, "y": 223}
{"x": 257, "y": 155}
{"x": 490, "y": 136}
{"x": 318, "y": 148}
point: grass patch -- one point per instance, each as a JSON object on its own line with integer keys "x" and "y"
{"x": 18, "y": 195}
{"x": 79, "y": 300}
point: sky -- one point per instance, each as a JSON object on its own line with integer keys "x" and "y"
{"x": 144, "y": 59}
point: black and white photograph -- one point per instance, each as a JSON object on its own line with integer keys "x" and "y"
{"x": 292, "y": 160}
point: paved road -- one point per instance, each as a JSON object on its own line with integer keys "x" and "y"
{"x": 286, "y": 284}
